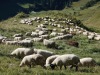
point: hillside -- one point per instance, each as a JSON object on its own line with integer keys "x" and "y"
{"x": 67, "y": 25}
{"x": 90, "y": 16}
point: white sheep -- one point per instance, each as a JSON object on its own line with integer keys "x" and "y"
{"x": 21, "y": 52}
{"x": 26, "y": 43}
{"x": 53, "y": 34}
{"x": 34, "y": 34}
{"x": 44, "y": 36}
{"x": 9, "y": 42}
{"x": 66, "y": 60}
{"x": 1, "y": 38}
{"x": 42, "y": 32}
{"x": 87, "y": 62}
{"x": 45, "y": 53}
{"x": 85, "y": 33}
{"x": 49, "y": 43}
{"x": 97, "y": 37}
{"x": 37, "y": 39}
{"x": 28, "y": 34}
{"x": 18, "y": 35}
{"x": 34, "y": 59}
{"x": 50, "y": 59}
{"x": 17, "y": 38}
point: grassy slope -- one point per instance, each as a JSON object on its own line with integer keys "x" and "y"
{"x": 10, "y": 65}
{"x": 7, "y": 63}
{"x": 90, "y": 16}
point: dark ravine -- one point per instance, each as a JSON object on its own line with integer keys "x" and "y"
{"x": 10, "y": 8}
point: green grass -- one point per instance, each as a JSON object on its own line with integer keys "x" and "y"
{"x": 90, "y": 17}
{"x": 10, "y": 65}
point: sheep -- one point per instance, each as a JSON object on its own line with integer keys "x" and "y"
{"x": 9, "y": 42}
{"x": 53, "y": 34}
{"x": 73, "y": 43}
{"x": 90, "y": 37}
{"x": 45, "y": 53}
{"x": 60, "y": 34}
{"x": 49, "y": 43}
{"x": 22, "y": 21}
{"x": 26, "y": 43}
{"x": 63, "y": 31}
{"x": 54, "y": 29}
{"x": 18, "y": 35}
{"x": 97, "y": 37}
{"x": 34, "y": 59}
{"x": 37, "y": 39}
{"x": 50, "y": 59}
{"x": 1, "y": 38}
{"x": 42, "y": 32}
{"x": 18, "y": 38}
{"x": 67, "y": 36}
{"x": 87, "y": 62}
{"x": 28, "y": 34}
{"x": 85, "y": 33}
{"x": 66, "y": 60}
{"x": 34, "y": 34}
{"x": 44, "y": 36}
{"x": 21, "y": 52}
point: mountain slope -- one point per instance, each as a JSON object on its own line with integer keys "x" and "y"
{"x": 89, "y": 16}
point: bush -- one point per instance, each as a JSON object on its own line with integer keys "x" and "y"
{"x": 22, "y": 15}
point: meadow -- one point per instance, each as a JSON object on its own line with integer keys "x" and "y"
{"x": 10, "y": 65}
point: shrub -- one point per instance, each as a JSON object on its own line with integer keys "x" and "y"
{"x": 22, "y": 15}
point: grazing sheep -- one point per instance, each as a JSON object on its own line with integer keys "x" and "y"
{"x": 17, "y": 38}
{"x": 50, "y": 59}
{"x": 45, "y": 53}
{"x": 34, "y": 59}
{"x": 54, "y": 29}
{"x": 1, "y": 38}
{"x": 44, "y": 36}
{"x": 97, "y": 37}
{"x": 87, "y": 62}
{"x": 85, "y": 33}
{"x": 21, "y": 52}
{"x": 42, "y": 32}
{"x": 34, "y": 34}
{"x": 26, "y": 43}
{"x": 90, "y": 37}
{"x": 63, "y": 31}
{"x": 66, "y": 60}
{"x": 73, "y": 43}
{"x": 18, "y": 35}
{"x": 49, "y": 43}
{"x": 60, "y": 34}
{"x": 9, "y": 42}
{"x": 28, "y": 34}
{"x": 37, "y": 39}
{"x": 53, "y": 34}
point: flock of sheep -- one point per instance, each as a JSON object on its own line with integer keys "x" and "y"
{"x": 62, "y": 28}
{"x": 32, "y": 57}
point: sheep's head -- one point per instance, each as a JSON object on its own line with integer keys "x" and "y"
{"x": 52, "y": 66}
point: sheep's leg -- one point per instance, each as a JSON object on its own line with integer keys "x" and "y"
{"x": 76, "y": 68}
{"x": 29, "y": 65}
{"x": 60, "y": 67}
{"x": 71, "y": 66}
{"x": 43, "y": 66}
{"x": 65, "y": 67}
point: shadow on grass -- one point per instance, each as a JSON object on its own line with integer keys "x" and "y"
{"x": 87, "y": 70}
